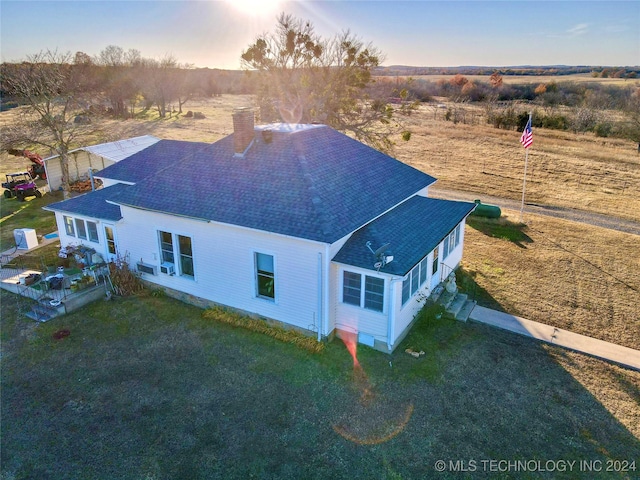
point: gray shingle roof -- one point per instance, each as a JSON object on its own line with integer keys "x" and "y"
{"x": 153, "y": 159}
{"x": 92, "y": 204}
{"x": 311, "y": 182}
{"x": 413, "y": 229}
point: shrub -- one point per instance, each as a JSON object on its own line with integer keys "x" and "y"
{"x": 603, "y": 129}
{"x": 124, "y": 280}
{"x": 555, "y": 122}
{"x": 229, "y": 317}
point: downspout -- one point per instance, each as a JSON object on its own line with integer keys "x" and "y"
{"x": 326, "y": 290}
{"x": 320, "y": 296}
{"x": 392, "y": 308}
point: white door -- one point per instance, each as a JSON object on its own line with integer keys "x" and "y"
{"x": 435, "y": 268}
{"x": 111, "y": 247}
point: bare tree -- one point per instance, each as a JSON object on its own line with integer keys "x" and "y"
{"x": 158, "y": 83}
{"x": 53, "y": 92}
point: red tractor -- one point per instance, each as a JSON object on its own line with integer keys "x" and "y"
{"x": 21, "y": 186}
{"x": 37, "y": 168}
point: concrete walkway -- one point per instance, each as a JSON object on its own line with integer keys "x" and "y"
{"x": 625, "y": 356}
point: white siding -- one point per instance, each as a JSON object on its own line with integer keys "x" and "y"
{"x": 405, "y": 313}
{"x": 455, "y": 256}
{"x": 224, "y": 264}
{"x": 358, "y": 319}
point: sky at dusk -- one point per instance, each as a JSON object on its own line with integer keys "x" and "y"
{"x": 418, "y": 33}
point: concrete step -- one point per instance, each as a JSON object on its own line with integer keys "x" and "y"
{"x": 456, "y": 304}
{"x": 43, "y": 313}
{"x": 446, "y": 299}
{"x": 465, "y": 311}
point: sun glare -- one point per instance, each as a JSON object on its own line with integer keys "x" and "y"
{"x": 256, "y": 8}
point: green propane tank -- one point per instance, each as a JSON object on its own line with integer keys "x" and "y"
{"x": 488, "y": 211}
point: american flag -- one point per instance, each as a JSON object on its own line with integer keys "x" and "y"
{"x": 527, "y": 135}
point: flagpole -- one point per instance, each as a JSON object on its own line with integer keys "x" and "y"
{"x": 524, "y": 181}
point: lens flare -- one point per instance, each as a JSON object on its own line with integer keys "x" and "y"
{"x": 256, "y": 7}
{"x": 374, "y": 418}
{"x": 350, "y": 340}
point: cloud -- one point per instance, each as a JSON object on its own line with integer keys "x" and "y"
{"x": 577, "y": 30}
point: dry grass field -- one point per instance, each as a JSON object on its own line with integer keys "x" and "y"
{"x": 564, "y": 169}
{"x": 566, "y": 274}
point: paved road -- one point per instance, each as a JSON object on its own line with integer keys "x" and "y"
{"x": 596, "y": 219}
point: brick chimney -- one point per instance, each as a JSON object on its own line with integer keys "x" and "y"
{"x": 243, "y": 124}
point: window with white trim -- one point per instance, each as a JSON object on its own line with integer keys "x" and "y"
{"x": 363, "y": 291}
{"x": 416, "y": 278}
{"x": 424, "y": 265}
{"x": 92, "y": 229}
{"x": 111, "y": 239}
{"x": 451, "y": 242}
{"x": 81, "y": 229}
{"x": 186, "y": 256}
{"x": 265, "y": 276}
{"x": 68, "y": 226}
{"x": 406, "y": 290}
{"x": 172, "y": 246}
{"x": 374, "y": 293}
{"x": 351, "y": 286}
{"x": 166, "y": 247}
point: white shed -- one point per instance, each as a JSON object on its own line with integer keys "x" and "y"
{"x": 96, "y": 157}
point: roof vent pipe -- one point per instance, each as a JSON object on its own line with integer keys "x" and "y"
{"x": 243, "y": 125}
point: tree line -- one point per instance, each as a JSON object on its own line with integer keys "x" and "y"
{"x": 123, "y": 81}
{"x": 556, "y": 70}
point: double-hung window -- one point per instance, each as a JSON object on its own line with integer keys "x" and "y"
{"x": 363, "y": 291}
{"x": 166, "y": 247}
{"x": 451, "y": 242}
{"x": 186, "y": 256}
{"x": 351, "y": 286}
{"x": 374, "y": 293}
{"x": 265, "y": 276}
{"x": 92, "y": 229}
{"x": 81, "y": 229}
{"x": 111, "y": 240}
{"x": 68, "y": 226}
{"x": 424, "y": 265}
{"x": 416, "y": 278}
{"x": 174, "y": 246}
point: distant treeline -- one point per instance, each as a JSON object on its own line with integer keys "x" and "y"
{"x": 554, "y": 70}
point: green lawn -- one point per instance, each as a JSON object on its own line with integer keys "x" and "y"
{"x": 28, "y": 214}
{"x": 145, "y": 388}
